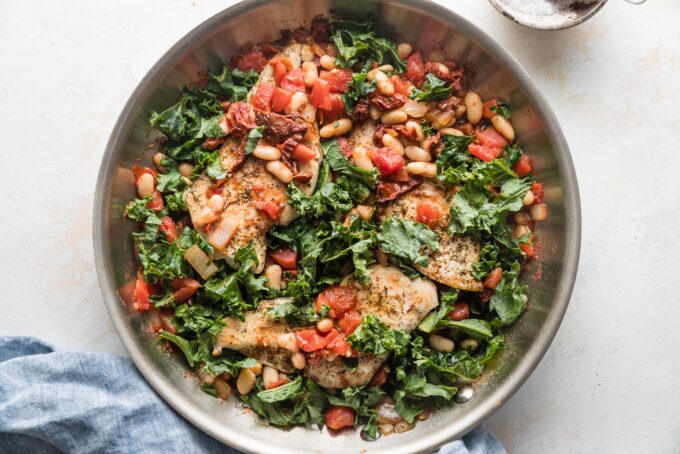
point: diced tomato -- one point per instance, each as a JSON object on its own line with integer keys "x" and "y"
{"x": 263, "y": 95}
{"x": 310, "y": 340}
{"x": 285, "y": 256}
{"x": 280, "y": 99}
{"x": 486, "y": 108}
{"x": 490, "y": 137}
{"x": 337, "y": 417}
{"x": 338, "y": 345}
{"x": 280, "y": 71}
{"x": 293, "y": 81}
{"x": 349, "y": 322}
{"x": 528, "y": 250}
{"x": 461, "y": 311}
{"x": 339, "y": 299}
{"x": 537, "y": 189}
{"x": 415, "y": 69}
{"x": 139, "y": 171}
{"x": 320, "y": 95}
{"x": 380, "y": 377}
{"x": 143, "y": 290}
{"x": 156, "y": 202}
{"x": 168, "y": 227}
{"x": 387, "y": 161}
{"x": 484, "y": 152}
{"x": 252, "y": 60}
{"x": 523, "y": 166}
{"x": 337, "y": 109}
{"x": 338, "y": 79}
{"x": 272, "y": 209}
{"x": 282, "y": 380}
{"x": 400, "y": 85}
{"x": 303, "y": 153}
{"x": 184, "y": 288}
{"x": 428, "y": 213}
{"x": 494, "y": 278}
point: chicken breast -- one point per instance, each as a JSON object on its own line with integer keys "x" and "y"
{"x": 452, "y": 263}
{"x": 362, "y": 135}
{"x": 399, "y": 302}
{"x": 242, "y": 220}
{"x": 257, "y": 337}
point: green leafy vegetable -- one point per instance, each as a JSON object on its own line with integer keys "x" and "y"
{"x": 358, "y": 87}
{"x": 358, "y": 45}
{"x": 509, "y": 300}
{"x": 433, "y": 89}
{"x": 373, "y": 336}
{"x": 252, "y": 139}
{"x": 501, "y": 108}
{"x": 408, "y": 240}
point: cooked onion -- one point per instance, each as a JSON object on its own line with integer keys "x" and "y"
{"x": 200, "y": 261}
{"x": 387, "y": 414}
{"x": 415, "y": 109}
{"x": 223, "y": 232}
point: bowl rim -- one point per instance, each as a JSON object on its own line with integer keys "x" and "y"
{"x": 537, "y": 26}
{"x": 477, "y": 414}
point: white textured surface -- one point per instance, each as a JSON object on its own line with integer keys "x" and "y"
{"x": 610, "y": 383}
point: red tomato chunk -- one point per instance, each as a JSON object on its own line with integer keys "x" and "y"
{"x": 280, "y": 99}
{"x": 285, "y": 256}
{"x": 338, "y": 79}
{"x": 387, "y": 161}
{"x": 263, "y": 95}
{"x": 415, "y": 69}
{"x": 484, "y": 152}
{"x": 168, "y": 227}
{"x": 428, "y": 213}
{"x": 184, "y": 288}
{"x": 523, "y": 166}
{"x": 339, "y": 299}
{"x": 337, "y": 418}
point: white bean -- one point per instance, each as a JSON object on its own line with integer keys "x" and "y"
{"x": 256, "y": 369}
{"x": 245, "y": 381}
{"x": 520, "y": 231}
{"x": 383, "y": 69}
{"x": 403, "y": 426}
{"x": 273, "y": 274}
{"x": 362, "y": 158}
{"x": 216, "y": 203}
{"x": 425, "y": 169}
{"x": 417, "y": 154}
{"x": 443, "y": 68}
{"x": 386, "y": 429}
{"x": 310, "y": 73}
{"x": 222, "y": 388}
{"x": 404, "y": 50}
{"x": 473, "y": 107}
{"x": 337, "y": 128}
{"x": 383, "y": 83}
{"x": 539, "y": 212}
{"x": 394, "y": 117}
{"x": 324, "y": 325}
{"x": 414, "y": 126}
{"x": 332, "y": 50}
{"x": 503, "y": 126}
{"x": 267, "y": 152}
{"x": 288, "y": 341}
{"x": 296, "y": 103}
{"x": 280, "y": 171}
{"x": 299, "y": 361}
{"x": 374, "y": 112}
{"x": 451, "y": 132}
{"x": 309, "y": 113}
{"x": 440, "y": 343}
{"x": 145, "y": 185}
{"x": 365, "y": 212}
{"x": 528, "y": 198}
{"x": 327, "y": 62}
{"x": 469, "y": 344}
{"x": 158, "y": 159}
{"x": 186, "y": 180}
{"x": 393, "y": 143}
{"x": 269, "y": 376}
{"x": 185, "y": 169}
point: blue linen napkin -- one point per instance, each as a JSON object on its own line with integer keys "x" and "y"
{"x": 55, "y": 401}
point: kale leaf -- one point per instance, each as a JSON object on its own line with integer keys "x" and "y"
{"x": 407, "y": 240}
{"x": 433, "y": 89}
{"x": 373, "y": 336}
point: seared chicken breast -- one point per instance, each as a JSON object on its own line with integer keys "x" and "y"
{"x": 257, "y": 337}
{"x": 241, "y": 220}
{"x": 399, "y": 302}
{"x": 452, "y": 263}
